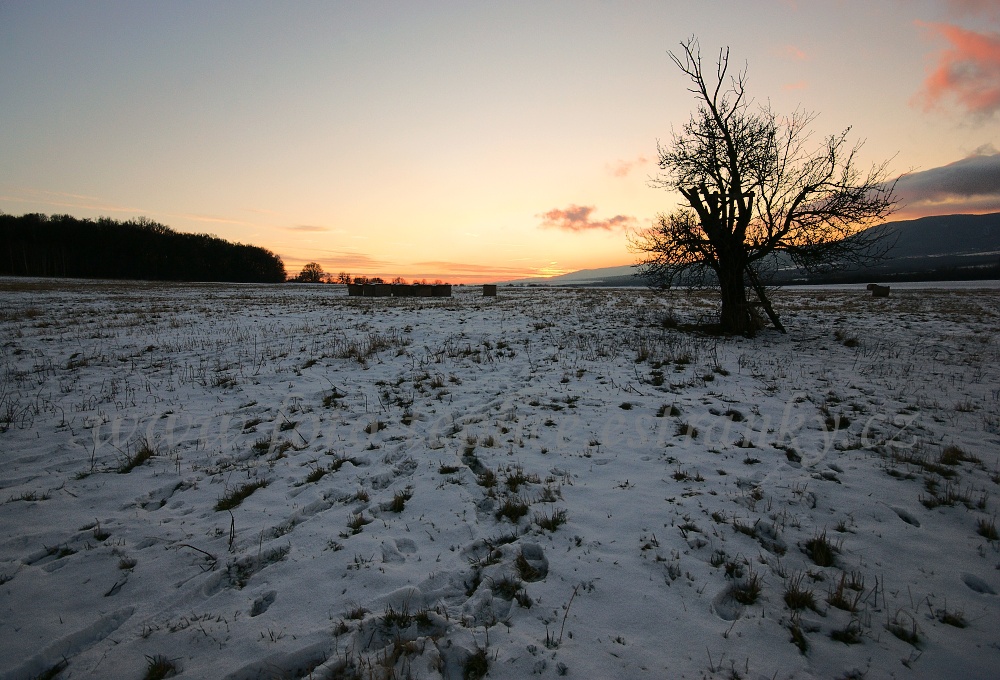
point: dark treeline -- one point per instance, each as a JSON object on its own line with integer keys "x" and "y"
{"x": 65, "y": 246}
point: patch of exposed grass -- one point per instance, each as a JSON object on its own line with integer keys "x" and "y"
{"x": 949, "y": 496}
{"x": 821, "y": 550}
{"x": 476, "y": 665}
{"x": 487, "y": 479}
{"x": 746, "y": 592}
{"x": 316, "y": 474}
{"x": 396, "y": 619}
{"x": 144, "y": 450}
{"x": 951, "y": 618}
{"x": 330, "y": 400}
{"x": 398, "y": 502}
{"x": 29, "y": 496}
{"x": 507, "y": 587}
{"x": 513, "y": 508}
{"x": 357, "y": 522}
{"x": 840, "y": 598}
{"x": 745, "y": 529}
{"x": 835, "y": 421}
{"x": 904, "y": 626}
{"x": 516, "y": 476}
{"x": 849, "y": 634}
{"x": 684, "y": 429}
{"x": 237, "y": 494}
{"x": 798, "y": 597}
{"x": 953, "y": 455}
{"x": 798, "y": 638}
{"x": 987, "y": 528}
{"x": 552, "y": 521}
{"x": 159, "y": 667}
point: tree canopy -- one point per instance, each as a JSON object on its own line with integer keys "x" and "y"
{"x": 311, "y": 272}
{"x": 753, "y": 185}
{"x": 65, "y": 246}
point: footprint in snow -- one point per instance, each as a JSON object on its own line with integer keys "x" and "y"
{"x": 725, "y": 607}
{"x": 977, "y": 584}
{"x": 906, "y": 516}
{"x": 261, "y": 604}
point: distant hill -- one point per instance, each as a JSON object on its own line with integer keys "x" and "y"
{"x": 582, "y": 277}
{"x": 943, "y": 247}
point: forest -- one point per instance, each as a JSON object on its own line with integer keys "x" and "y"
{"x": 68, "y": 247}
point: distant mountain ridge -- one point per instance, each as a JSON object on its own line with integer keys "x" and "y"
{"x": 940, "y": 247}
{"x": 946, "y": 235}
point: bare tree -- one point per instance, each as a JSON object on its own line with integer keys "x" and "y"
{"x": 754, "y": 186}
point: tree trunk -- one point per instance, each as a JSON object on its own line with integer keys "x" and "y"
{"x": 764, "y": 301}
{"x": 735, "y": 316}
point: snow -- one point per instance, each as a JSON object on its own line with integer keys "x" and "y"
{"x": 374, "y": 546}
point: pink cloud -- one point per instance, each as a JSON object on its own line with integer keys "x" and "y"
{"x": 800, "y": 85}
{"x": 577, "y": 218}
{"x": 794, "y": 53}
{"x": 623, "y": 168}
{"x": 968, "y": 71}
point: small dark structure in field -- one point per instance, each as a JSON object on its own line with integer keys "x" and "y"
{"x": 878, "y": 291}
{"x": 489, "y": 290}
{"x": 398, "y": 290}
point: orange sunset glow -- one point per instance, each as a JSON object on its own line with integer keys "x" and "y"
{"x": 467, "y": 142}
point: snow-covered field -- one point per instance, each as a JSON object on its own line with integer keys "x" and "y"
{"x": 281, "y": 481}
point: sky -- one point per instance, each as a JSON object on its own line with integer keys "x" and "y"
{"x": 461, "y": 141}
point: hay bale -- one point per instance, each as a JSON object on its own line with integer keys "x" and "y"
{"x": 378, "y": 290}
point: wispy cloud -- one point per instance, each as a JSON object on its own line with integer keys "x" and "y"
{"x": 971, "y": 185}
{"x": 576, "y": 218}
{"x": 339, "y": 260}
{"x": 800, "y": 85}
{"x": 306, "y": 228}
{"x": 793, "y": 52}
{"x": 479, "y": 271}
{"x": 52, "y": 200}
{"x": 623, "y": 168}
{"x": 63, "y": 199}
{"x": 213, "y": 219}
{"x": 968, "y": 71}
